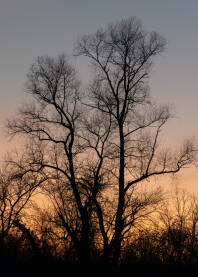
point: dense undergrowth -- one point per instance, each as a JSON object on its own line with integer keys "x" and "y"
{"x": 159, "y": 254}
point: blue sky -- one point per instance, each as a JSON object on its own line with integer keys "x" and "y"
{"x": 30, "y": 28}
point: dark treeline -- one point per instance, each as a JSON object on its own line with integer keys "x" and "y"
{"x": 90, "y": 152}
{"x": 163, "y": 240}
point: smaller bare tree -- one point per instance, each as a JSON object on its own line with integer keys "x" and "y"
{"x": 179, "y": 219}
{"x": 16, "y": 190}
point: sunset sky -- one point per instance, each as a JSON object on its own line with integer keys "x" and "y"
{"x": 31, "y": 28}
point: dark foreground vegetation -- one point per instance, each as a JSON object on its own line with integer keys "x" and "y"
{"x": 81, "y": 196}
{"x": 168, "y": 246}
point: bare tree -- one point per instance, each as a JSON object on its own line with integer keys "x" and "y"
{"x": 122, "y": 56}
{"x": 16, "y": 191}
{"x": 52, "y": 123}
{"x": 178, "y": 226}
{"x": 112, "y": 146}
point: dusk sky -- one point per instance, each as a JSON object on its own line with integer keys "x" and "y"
{"x": 31, "y": 28}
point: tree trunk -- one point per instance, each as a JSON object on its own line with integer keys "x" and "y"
{"x": 120, "y": 209}
{"x": 84, "y": 247}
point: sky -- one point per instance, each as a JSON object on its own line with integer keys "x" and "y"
{"x": 31, "y": 28}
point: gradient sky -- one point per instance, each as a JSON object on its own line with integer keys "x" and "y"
{"x": 30, "y": 28}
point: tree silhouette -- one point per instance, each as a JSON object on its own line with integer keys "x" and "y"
{"x": 16, "y": 190}
{"x": 96, "y": 146}
{"x": 122, "y": 56}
